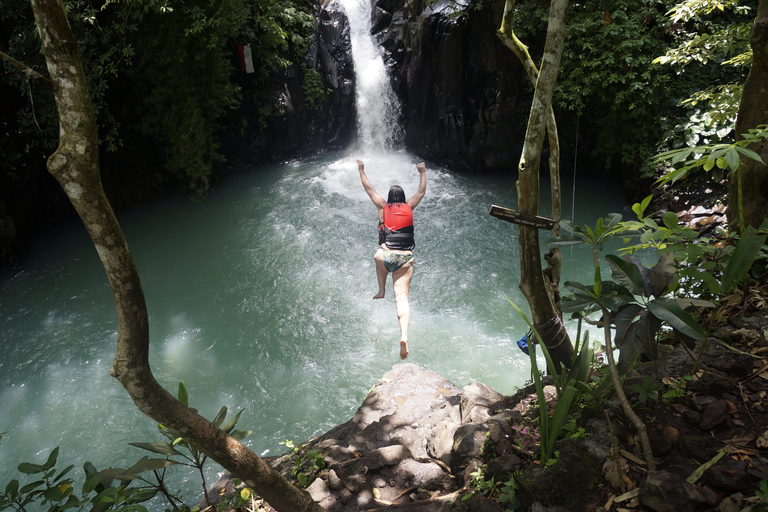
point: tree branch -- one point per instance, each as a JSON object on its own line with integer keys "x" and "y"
{"x": 31, "y": 73}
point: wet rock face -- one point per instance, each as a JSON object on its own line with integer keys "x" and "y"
{"x": 279, "y": 120}
{"x": 459, "y": 86}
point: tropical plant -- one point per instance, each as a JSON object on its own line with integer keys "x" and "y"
{"x": 647, "y": 390}
{"x": 53, "y": 491}
{"x": 307, "y": 464}
{"x": 714, "y": 158}
{"x": 570, "y": 384}
{"x": 192, "y": 456}
{"x": 710, "y": 35}
{"x": 707, "y": 266}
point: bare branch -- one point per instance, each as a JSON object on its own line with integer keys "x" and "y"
{"x": 31, "y": 73}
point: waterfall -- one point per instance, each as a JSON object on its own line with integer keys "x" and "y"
{"x": 378, "y": 110}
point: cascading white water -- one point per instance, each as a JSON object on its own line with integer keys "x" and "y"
{"x": 378, "y": 109}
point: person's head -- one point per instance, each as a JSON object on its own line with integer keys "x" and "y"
{"x": 396, "y": 194}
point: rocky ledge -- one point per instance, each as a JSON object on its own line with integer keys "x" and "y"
{"x": 417, "y": 438}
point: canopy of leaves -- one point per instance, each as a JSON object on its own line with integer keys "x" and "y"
{"x": 162, "y": 74}
{"x": 624, "y": 101}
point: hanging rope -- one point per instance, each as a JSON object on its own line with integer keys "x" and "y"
{"x": 552, "y": 330}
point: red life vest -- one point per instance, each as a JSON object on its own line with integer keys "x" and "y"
{"x": 397, "y": 229}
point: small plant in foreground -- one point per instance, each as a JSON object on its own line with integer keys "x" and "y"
{"x": 648, "y": 390}
{"x": 307, "y": 463}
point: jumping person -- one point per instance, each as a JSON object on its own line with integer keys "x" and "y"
{"x": 396, "y": 244}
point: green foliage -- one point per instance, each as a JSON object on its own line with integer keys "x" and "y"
{"x": 715, "y": 158}
{"x": 572, "y": 431}
{"x": 508, "y": 495}
{"x": 647, "y": 390}
{"x": 612, "y": 77}
{"x": 707, "y": 267}
{"x": 53, "y": 491}
{"x": 570, "y": 384}
{"x": 635, "y": 299}
{"x": 186, "y": 452}
{"x": 314, "y": 90}
{"x": 307, "y": 464}
{"x": 712, "y": 39}
{"x": 160, "y": 73}
{"x": 677, "y": 388}
{"x": 505, "y": 495}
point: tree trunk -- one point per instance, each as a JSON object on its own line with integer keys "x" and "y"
{"x": 537, "y": 290}
{"x": 553, "y": 258}
{"x": 75, "y": 164}
{"x": 752, "y": 195}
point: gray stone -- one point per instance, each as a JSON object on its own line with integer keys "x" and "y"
{"x": 714, "y": 415}
{"x": 334, "y": 482}
{"x": 669, "y": 492}
{"x": 731, "y": 503}
{"x": 502, "y": 467}
{"x": 467, "y": 444}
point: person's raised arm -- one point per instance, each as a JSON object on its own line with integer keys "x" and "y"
{"x": 419, "y": 195}
{"x": 375, "y": 197}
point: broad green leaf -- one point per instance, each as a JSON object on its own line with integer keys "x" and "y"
{"x": 53, "y": 494}
{"x": 30, "y": 469}
{"x": 161, "y": 448}
{"x": 12, "y": 488}
{"x": 627, "y": 339}
{"x": 598, "y": 282}
{"x": 147, "y": 464}
{"x": 239, "y": 435}
{"x": 29, "y": 487}
{"x": 750, "y": 154}
{"x": 228, "y": 428}
{"x": 579, "y": 290}
{"x": 72, "y": 502}
{"x": 747, "y": 249}
{"x": 143, "y": 495}
{"x": 639, "y": 208}
{"x": 560, "y": 414}
{"x": 219, "y": 419}
{"x": 670, "y": 220}
{"x": 63, "y": 472}
{"x": 52, "y": 459}
{"x": 662, "y": 274}
{"x": 612, "y": 220}
{"x": 577, "y": 305}
{"x": 697, "y": 303}
{"x": 183, "y": 395}
{"x": 626, "y": 274}
{"x": 733, "y": 160}
{"x": 670, "y": 311}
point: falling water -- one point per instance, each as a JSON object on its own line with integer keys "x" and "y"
{"x": 378, "y": 110}
{"x": 260, "y": 297}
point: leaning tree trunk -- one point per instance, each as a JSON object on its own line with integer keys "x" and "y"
{"x": 75, "y": 164}
{"x": 752, "y": 193}
{"x": 532, "y": 282}
{"x": 553, "y": 258}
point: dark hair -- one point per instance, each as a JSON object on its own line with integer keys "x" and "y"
{"x": 396, "y": 194}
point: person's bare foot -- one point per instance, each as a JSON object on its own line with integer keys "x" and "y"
{"x": 403, "y": 349}
{"x": 379, "y": 295}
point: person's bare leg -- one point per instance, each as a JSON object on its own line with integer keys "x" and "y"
{"x": 401, "y": 282}
{"x": 381, "y": 273}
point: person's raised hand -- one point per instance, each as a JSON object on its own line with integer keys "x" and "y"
{"x": 360, "y": 165}
{"x": 421, "y": 167}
